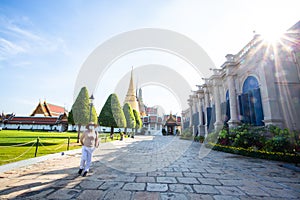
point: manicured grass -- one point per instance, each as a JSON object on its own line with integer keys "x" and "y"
{"x": 20, "y": 145}
{"x": 13, "y": 147}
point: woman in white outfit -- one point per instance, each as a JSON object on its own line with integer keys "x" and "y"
{"x": 89, "y": 140}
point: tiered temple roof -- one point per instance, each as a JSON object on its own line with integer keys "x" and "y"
{"x": 131, "y": 96}
{"x": 53, "y": 115}
{"x": 48, "y": 110}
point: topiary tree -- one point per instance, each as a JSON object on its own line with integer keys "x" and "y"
{"x": 130, "y": 119}
{"x": 70, "y": 118}
{"x": 138, "y": 120}
{"x": 112, "y": 114}
{"x": 94, "y": 116}
{"x": 81, "y": 109}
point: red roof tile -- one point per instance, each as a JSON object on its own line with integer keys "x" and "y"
{"x": 55, "y": 110}
{"x": 33, "y": 120}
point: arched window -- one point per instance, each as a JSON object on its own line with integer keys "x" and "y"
{"x": 250, "y": 103}
{"x": 227, "y": 118}
{"x": 250, "y": 84}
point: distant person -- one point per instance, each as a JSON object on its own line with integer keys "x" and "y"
{"x": 89, "y": 141}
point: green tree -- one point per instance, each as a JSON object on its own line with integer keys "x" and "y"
{"x": 94, "y": 116}
{"x": 112, "y": 114}
{"x": 81, "y": 109}
{"x": 138, "y": 120}
{"x": 70, "y": 118}
{"x": 130, "y": 119}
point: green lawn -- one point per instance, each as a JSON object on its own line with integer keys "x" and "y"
{"x": 13, "y": 147}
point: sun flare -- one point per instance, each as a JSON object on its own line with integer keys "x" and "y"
{"x": 272, "y": 35}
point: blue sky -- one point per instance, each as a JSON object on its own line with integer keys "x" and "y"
{"x": 44, "y": 43}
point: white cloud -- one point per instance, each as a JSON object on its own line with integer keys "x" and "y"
{"x": 20, "y": 36}
{"x": 8, "y": 48}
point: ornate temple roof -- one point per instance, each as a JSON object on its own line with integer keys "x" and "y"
{"x": 171, "y": 120}
{"x": 48, "y": 110}
{"x": 131, "y": 96}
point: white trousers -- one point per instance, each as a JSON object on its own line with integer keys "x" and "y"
{"x": 86, "y": 158}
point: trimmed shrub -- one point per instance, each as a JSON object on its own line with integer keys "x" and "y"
{"x": 279, "y": 156}
{"x": 186, "y": 134}
{"x": 212, "y": 137}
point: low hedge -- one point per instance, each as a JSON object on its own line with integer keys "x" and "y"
{"x": 279, "y": 156}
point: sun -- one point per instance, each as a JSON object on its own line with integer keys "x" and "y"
{"x": 272, "y": 35}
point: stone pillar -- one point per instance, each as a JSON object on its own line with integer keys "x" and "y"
{"x": 206, "y": 105}
{"x": 218, "y": 124}
{"x": 200, "y": 102}
{"x": 196, "y": 109}
{"x": 234, "y": 121}
{"x": 269, "y": 96}
{"x": 191, "y": 114}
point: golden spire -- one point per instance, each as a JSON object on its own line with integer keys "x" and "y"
{"x": 131, "y": 96}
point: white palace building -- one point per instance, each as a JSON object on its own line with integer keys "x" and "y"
{"x": 260, "y": 85}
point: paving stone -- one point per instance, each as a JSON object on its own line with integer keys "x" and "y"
{"x": 166, "y": 179}
{"x": 157, "y": 187}
{"x": 40, "y": 194}
{"x": 157, "y": 173}
{"x": 209, "y": 181}
{"x": 117, "y": 194}
{"x": 66, "y": 183}
{"x": 199, "y": 170}
{"x": 168, "y": 169}
{"x": 145, "y": 179}
{"x": 205, "y": 189}
{"x": 194, "y": 196}
{"x": 181, "y": 169}
{"x": 91, "y": 194}
{"x": 181, "y": 188}
{"x": 215, "y": 171}
{"x": 215, "y": 176}
{"x": 134, "y": 186}
{"x": 111, "y": 185}
{"x": 283, "y": 193}
{"x": 125, "y": 178}
{"x": 192, "y": 174}
{"x": 174, "y": 174}
{"x": 158, "y": 165}
{"x": 270, "y": 184}
{"x": 146, "y": 195}
{"x": 187, "y": 180}
{"x": 232, "y": 182}
{"x": 253, "y": 191}
{"x": 173, "y": 196}
{"x": 64, "y": 194}
{"x": 90, "y": 184}
{"x": 230, "y": 190}
{"x": 225, "y": 197}
{"x": 140, "y": 174}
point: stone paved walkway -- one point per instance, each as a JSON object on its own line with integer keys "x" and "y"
{"x": 152, "y": 168}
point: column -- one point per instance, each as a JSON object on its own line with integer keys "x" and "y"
{"x": 201, "y": 125}
{"x": 269, "y": 98}
{"x": 196, "y": 108}
{"x": 206, "y": 105}
{"x": 234, "y": 121}
{"x": 191, "y": 114}
{"x": 218, "y": 124}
